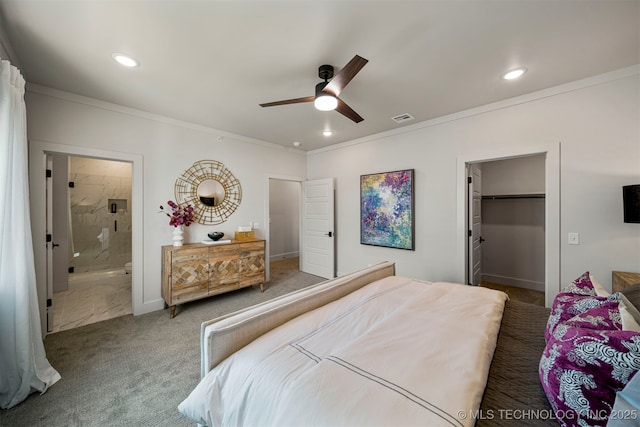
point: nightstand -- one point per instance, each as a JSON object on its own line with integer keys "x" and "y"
{"x": 622, "y": 279}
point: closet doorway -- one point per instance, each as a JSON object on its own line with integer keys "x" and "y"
{"x": 508, "y": 223}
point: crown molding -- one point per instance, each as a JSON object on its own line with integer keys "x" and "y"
{"x": 104, "y": 105}
{"x": 622, "y": 73}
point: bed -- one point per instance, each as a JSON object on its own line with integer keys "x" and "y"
{"x": 342, "y": 353}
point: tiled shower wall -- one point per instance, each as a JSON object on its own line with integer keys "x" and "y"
{"x": 96, "y": 183}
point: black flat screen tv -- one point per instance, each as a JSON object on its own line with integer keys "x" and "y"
{"x": 631, "y": 203}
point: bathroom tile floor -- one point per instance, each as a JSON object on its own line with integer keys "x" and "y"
{"x": 92, "y": 297}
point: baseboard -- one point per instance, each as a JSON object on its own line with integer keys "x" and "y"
{"x": 148, "y": 307}
{"x": 285, "y": 255}
{"x": 513, "y": 281}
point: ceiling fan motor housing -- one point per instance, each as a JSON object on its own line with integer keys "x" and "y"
{"x": 325, "y": 72}
{"x": 319, "y": 88}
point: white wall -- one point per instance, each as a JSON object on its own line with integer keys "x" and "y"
{"x": 160, "y": 149}
{"x": 284, "y": 226}
{"x": 521, "y": 175}
{"x": 596, "y": 124}
{"x": 513, "y": 250}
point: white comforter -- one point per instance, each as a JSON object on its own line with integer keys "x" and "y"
{"x": 396, "y": 352}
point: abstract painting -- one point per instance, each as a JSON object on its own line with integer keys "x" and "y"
{"x": 386, "y": 209}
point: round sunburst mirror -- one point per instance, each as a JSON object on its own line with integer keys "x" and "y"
{"x": 211, "y": 189}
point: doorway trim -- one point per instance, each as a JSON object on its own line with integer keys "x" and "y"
{"x": 265, "y": 220}
{"x": 38, "y": 151}
{"x": 552, "y": 206}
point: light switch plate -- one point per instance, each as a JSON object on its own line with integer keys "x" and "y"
{"x": 574, "y": 238}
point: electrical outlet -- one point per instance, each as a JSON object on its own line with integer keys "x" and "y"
{"x": 256, "y": 225}
{"x": 574, "y": 238}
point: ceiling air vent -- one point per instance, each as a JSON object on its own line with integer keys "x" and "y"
{"x": 406, "y": 117}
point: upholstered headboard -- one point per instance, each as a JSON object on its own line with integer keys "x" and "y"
{"x": 221, "y": 337}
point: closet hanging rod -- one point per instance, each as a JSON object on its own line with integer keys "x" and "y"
{"x": 513, "y": 196}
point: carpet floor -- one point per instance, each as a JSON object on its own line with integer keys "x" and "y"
{"x": 134, "y": 371}
{"x": 519, "y": 294}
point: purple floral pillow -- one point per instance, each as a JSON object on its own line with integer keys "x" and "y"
{"x": 581, "y": 370}
{"x": 604, "y": 316}
{"x": 568, "y": 307}
{"x": 588, "y": 357}
{"x": 581, "y": 286}
{"x": 575, "y": 299}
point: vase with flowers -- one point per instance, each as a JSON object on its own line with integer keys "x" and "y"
{"x": 179, "y": 217}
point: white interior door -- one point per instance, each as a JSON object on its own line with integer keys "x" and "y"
{"x": 60, "y": 225}
{"x": 57, "y": 229}
{"x": 475, "y": 224}
{"x": 317, "y": 255}
{"x": 49, "y": 244}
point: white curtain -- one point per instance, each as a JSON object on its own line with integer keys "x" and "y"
{"x": 24, "y": 367}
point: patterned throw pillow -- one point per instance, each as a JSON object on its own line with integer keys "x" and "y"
{"x": 581, "y": 286}
{"x": 605, "y": 315}
{"x": 577, "y": 298}
{"x": 588, "y": 356}
{"x": 581, "y": 370}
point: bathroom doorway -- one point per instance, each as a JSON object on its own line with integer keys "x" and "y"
{"x": 92, "y": 223}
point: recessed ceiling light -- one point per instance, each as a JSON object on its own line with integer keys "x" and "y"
{"x": 125, "y": 60}
{"x": 327, "y": 132}
{"x": 296, "y": 143}
{"x": 514, "y": 74}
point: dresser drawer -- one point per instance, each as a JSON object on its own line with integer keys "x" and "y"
{"x": 189, "y": 293}
{"x": 189, "y": 267}
{"x": 223, "y": 271}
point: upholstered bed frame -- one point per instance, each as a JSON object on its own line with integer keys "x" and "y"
{"x": 513, "y": 385}
{"x": 225, "y": 335}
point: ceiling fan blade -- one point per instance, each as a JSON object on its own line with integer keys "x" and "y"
{"x": 289, "y": 101}
{"x": 348, "y": 112}
{"x": 344, "y": 76}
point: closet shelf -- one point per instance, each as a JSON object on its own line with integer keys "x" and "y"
{"x": 513, "y": 196}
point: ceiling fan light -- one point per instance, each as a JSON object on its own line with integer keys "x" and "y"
{"x": 325, "y": 102}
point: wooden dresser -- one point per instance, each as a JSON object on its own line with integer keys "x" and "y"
{"x": 196, "y": 270}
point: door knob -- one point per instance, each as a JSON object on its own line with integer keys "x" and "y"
{"x": 482, "y": 239}
{"x": 329, "y": 234}
{"x": 53, "y": 245}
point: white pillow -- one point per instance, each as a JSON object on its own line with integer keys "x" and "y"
{"x": 600, "y": 290}
{"x": 629, "y": 315}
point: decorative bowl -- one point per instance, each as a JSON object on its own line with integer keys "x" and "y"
{"x": 216, "y": 235}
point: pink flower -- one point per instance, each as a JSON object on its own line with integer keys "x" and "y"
{"x": 179, "y": 215}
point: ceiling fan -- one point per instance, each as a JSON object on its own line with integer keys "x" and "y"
{"x": 326, "y": 97}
